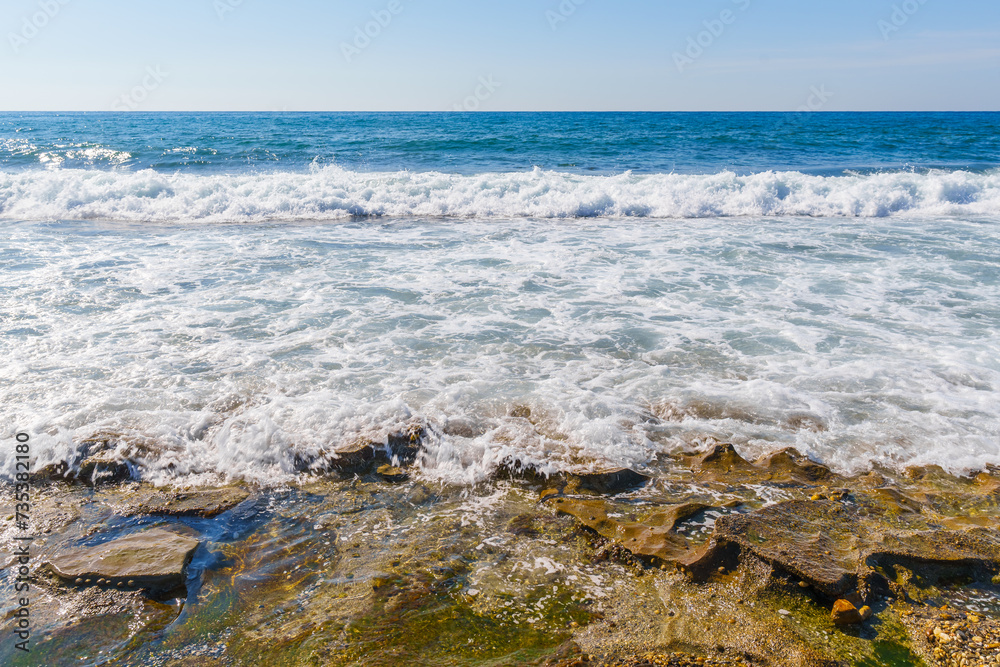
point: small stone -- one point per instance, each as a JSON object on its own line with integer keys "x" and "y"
{"x": 865, "y": 613}
{"x": 78, "y": 581}
{"x": 972, "y": 618}
{"x": 784, "y": 612}
{"x": 131, "y": 582}
{"x": 803, "y": 584}
{"x": 845, "y": 613}
{"x": 722, "y": 570}
{"x": 815, "y": 496}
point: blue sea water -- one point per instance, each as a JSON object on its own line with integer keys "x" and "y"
{"x": 230, "y": 292}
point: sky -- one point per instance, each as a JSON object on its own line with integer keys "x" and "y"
{"x": 499, "y": 55}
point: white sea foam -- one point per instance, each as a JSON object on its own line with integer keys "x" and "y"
{"x": 217, "y": 350}
{"x": 332, "y": 193}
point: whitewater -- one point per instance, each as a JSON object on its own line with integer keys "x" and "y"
{"x": 334, "y": 193}
{"x": 218, "y": 351}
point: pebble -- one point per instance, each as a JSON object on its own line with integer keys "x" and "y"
{"x": 951, "y": 639}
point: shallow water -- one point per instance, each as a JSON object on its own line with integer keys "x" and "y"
{"x": 220, "y": 350}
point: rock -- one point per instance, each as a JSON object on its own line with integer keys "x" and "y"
{"x": 548, "y": 493}
{"x": 794, "y": 536}
{"x": 606, "y": 481}
{"x": 154, "y": 559}
{"x": 838, "y": 550}
{"x": 723, "y": 458}
{"x": 392, "y": 474}
{"x": 400, "y": 448}
{"x": 521, "y": 412}
{"x": 654, "y": 537}
{"x": 845, "y": 613}
{"x": 206, "y": 503}
{"x": 789, "y": 465}
{"x": 96, "y": 470}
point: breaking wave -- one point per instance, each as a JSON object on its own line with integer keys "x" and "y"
{"x": 330, "y": 193}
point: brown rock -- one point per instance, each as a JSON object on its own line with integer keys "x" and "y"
{"x": 154, "y": 559}
{"x": 400, "y": 448}
{"x": 836, "y": 549}
{"x": 789, "y": 465}
{"x": 845, "y": 613}
{"x": 205, "y": 503}
{"x": 654, "y": 537}
{"x": 392, "y": 474}
{"x": 608, "y": 481}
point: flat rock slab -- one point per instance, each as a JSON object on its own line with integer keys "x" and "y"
{"x": 655, "y": 537}
{"x": 202, "y": 503}
{"x": 154, "y": 559}
{"x": 816, "y": 541}
{"x": 836, "y": 550}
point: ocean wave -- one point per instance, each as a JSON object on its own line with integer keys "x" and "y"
{"x": 330, "y": 193}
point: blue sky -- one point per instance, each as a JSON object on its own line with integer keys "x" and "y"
{"x": 500, "y": 55}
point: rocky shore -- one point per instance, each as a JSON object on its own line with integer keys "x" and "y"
{"x": 702, "y": 558}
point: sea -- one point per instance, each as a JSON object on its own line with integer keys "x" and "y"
{"x": 223, "y": 295}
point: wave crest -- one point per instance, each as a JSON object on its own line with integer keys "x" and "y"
{"x": 330, "y": 193}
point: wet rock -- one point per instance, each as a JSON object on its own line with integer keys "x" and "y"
{"x": 204, "y": 503}
{"x": 96, "y": 470}
{"x": 400, "y": 448}
{"x": 521, "y": 412}
{"x": 511, "y": 468}
{"x": 392, "y": 474}
{"x": 837, "y": 550}
{"x": 463, "y": 428}
{"x": 723, "y": 457}
{"x": 845, "y": 613}
{"x": 789, "y": 465}
{"x": 606, "y": 481}
{"x": 654, "y": 537}
{"x": 803, "y": 421}
{"x": 154, "y": 559}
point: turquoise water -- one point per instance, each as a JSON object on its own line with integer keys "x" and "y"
{"x": 234, "y": 291}
{"x": 825, "y": 144}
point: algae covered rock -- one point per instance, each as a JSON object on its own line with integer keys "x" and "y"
{"x": 153, "y": 559}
